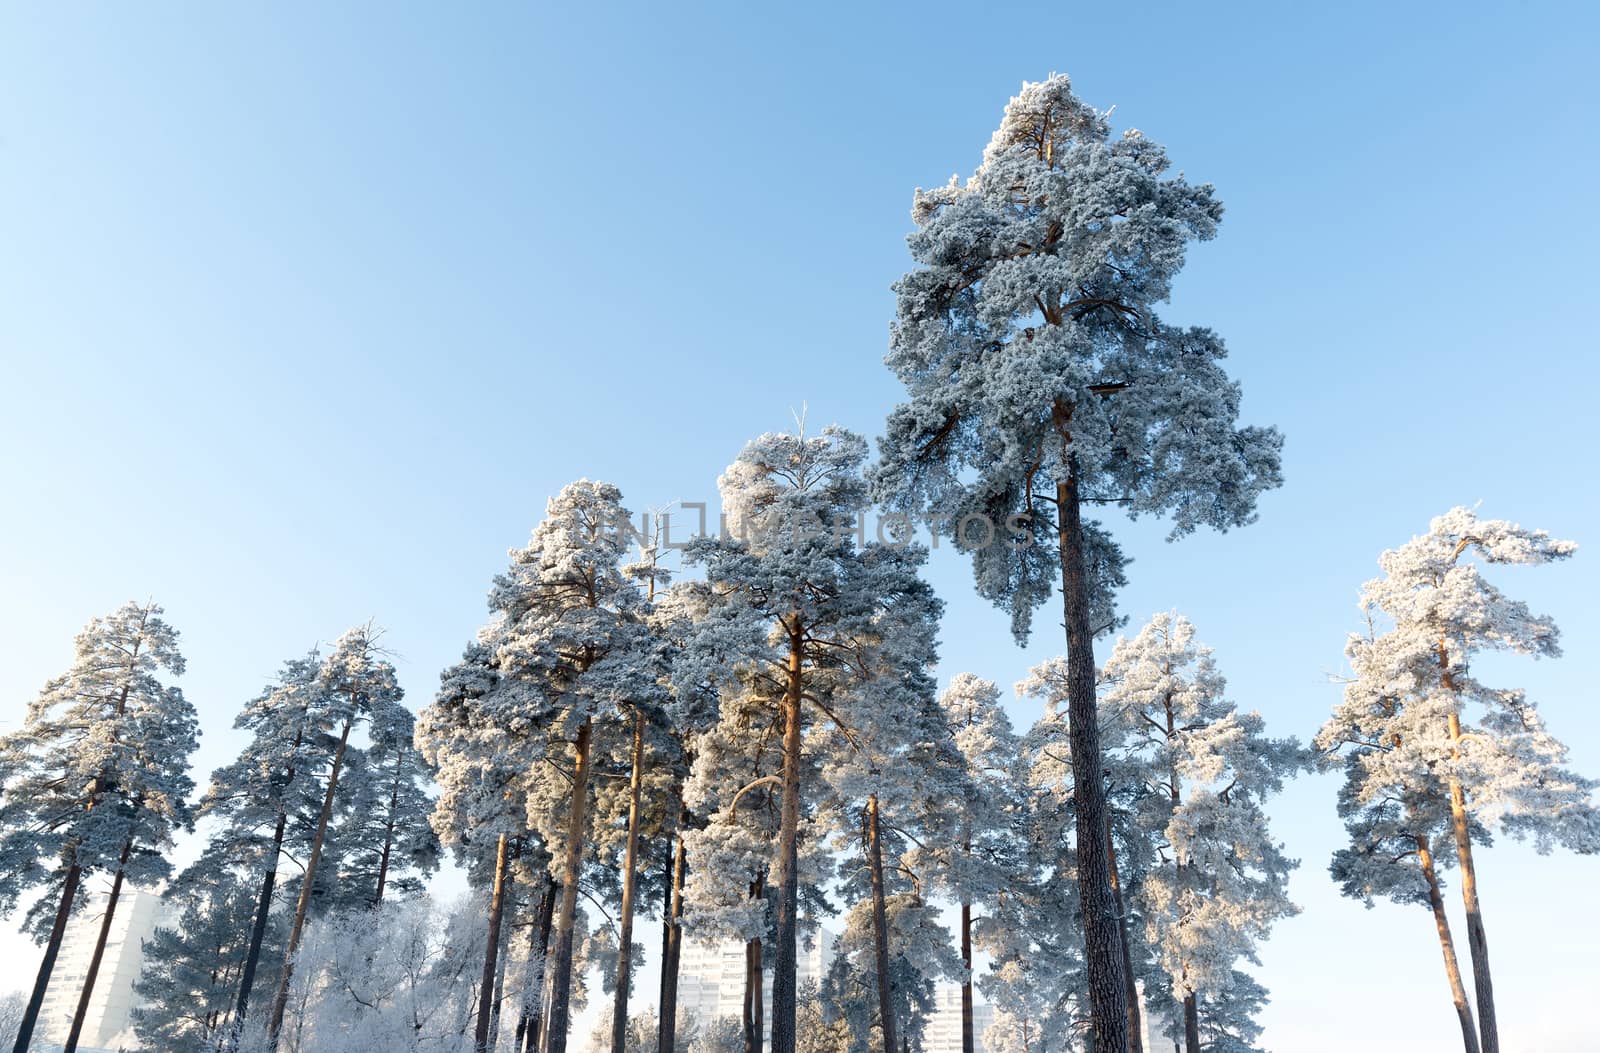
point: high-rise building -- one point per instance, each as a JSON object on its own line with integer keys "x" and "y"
{"x": 943, "y": 1031}
{"x": 108, "y": 1026}
{"x": 711, "y": 975}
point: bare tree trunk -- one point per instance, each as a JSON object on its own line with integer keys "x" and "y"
{"x": 539, "y": 943}
{"x": 1477, "y": 937}
{"x": 555, "y": 1040}
{"x": 388, "y": 828}
{"x": 89, "y": 978}
{"x": 1191, "y": 1023}
{"x": 30, "y": 1015}
{"x": 491, "y": 954}
{"x": 1452, "y": 968}
{"x": 1135, "y": 1023}
{"x": 258, "y": 930}
{"x": 753, "y": 996}
{"x": 880, "y": 925}
{"x": 619, "y": 1007}
{"x": 673, "y": 953}
{"x": 783, "y": 972}
{"x": 501, "y": 959}
{"x": 1108, "y": 1010}
{"x": 966, "y": 984}
{"x": 281, "y": 1001}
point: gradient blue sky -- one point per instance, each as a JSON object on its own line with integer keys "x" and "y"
{"x": 304, "y": 313}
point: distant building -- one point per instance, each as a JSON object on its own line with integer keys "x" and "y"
{"x": 108, "y": 1026}
{"x": 943, "y": 1031}
{"x": 711, "y": 976}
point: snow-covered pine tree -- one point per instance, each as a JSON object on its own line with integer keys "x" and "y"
{"x": 572, "y": 648}
{"x": 1417, "y": 720}
{"x": 981, "y": 854}
{"x": 98, "y": 784}
{"x": 794, "y": 627}
{"x": 188, "y": 989}
{"x": 1040, "y": 380}
{"x": 353, "y": 682}
{"x": 262, "y": 806}
{"x": 477, "y": 736}
{"x": 386, "y": 842}
{"x": 1199, "y": 772}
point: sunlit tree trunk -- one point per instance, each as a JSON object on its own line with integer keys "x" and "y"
{"x": 1452, "y": 968}
{"x": 93, "y": 973}
{"x": 491, "y": 954}
{"x": 784, "y": 965}
{"x": 880, "y": 926}
{"x": 619, "y": 1010}
{"x": 308, "y": 879}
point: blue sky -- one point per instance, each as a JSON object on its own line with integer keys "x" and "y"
{"x": 303, "y": 315}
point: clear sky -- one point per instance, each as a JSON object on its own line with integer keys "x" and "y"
{"x": 305, "y": 313}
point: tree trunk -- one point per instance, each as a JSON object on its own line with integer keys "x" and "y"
{"x": 538, "y": 943}
{"x": 258, "y": 930}
{"x": 1108, "y": 1010}
{"x": 1135, "y": 1023}
{"x": 880, "y": 925}
{"x": 89, "y": 978}
{"x": 966, "y": 984}
{"x": 630, "y": 865}
{"x": 1452, "y": 968}
{"x": 1477, "y": 938}
{"x": 1191, "y": 1023}
{"x": 783, "y": 972}
{"x": 281, "y": 1001}
{"x": 673, "y": 953}
{"x": 30, "y": 1015}
{"x": 502, "y": 957}
{"x": 388, "y": 829}
{"x": 754, "y": 997}
{"x": 491, "y": 953}
{"x": 555, "y": 1040}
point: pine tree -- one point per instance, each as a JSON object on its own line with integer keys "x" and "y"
{"x": 189, "y": 986}
{"x": 1408, "y": 719}
{"x": 98, "y": 783}
{"x": 571, "y": 647}
{"x": 799, "y": 622}
{"x": 263, "y": 805}
{"x": 353, "y": 682}
{"x": 387, "y": 843}
{"x": 1041, "y": 380}
{"x": 1199, "y": 772}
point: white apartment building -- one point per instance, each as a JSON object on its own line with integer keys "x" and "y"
{"x": 711, "y": 985}
{"x": 108, "y": 1026}
{"x": 711, "y": 976}
{"x": 943, "y": 1032}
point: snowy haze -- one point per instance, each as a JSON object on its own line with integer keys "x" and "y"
{"x": 303, "y": 319}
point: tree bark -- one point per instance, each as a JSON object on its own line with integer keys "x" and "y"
{"x": 30, "y": 1015}
{"x": 281, "y": 1001}
{"x": 258, "y": 929}
{"x": 388, "y": 828}
{"x": 1108, "y": 1010}
{"x": 1477, "y": 937}
{"x": 1452, "y": 968}
{"x": 491, "y": 953}
{"x": 555, "y": 1040}
{"x": 783, "y": 972}
{"x": 89, "y": 978}
{"x": 1191, "y": 1023}
{"x": 673, "y": 953}
{"x": 880, "y": 926}
{"x": 619, "y": 1009}
{"x": 538, "y": 943}
{"x": 1135, "y": 1023}
{"x": 753, "y": 996}
{"x": 966, "y": 984}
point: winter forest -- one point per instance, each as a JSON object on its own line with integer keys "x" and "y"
{"x": 679, "y": 725}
